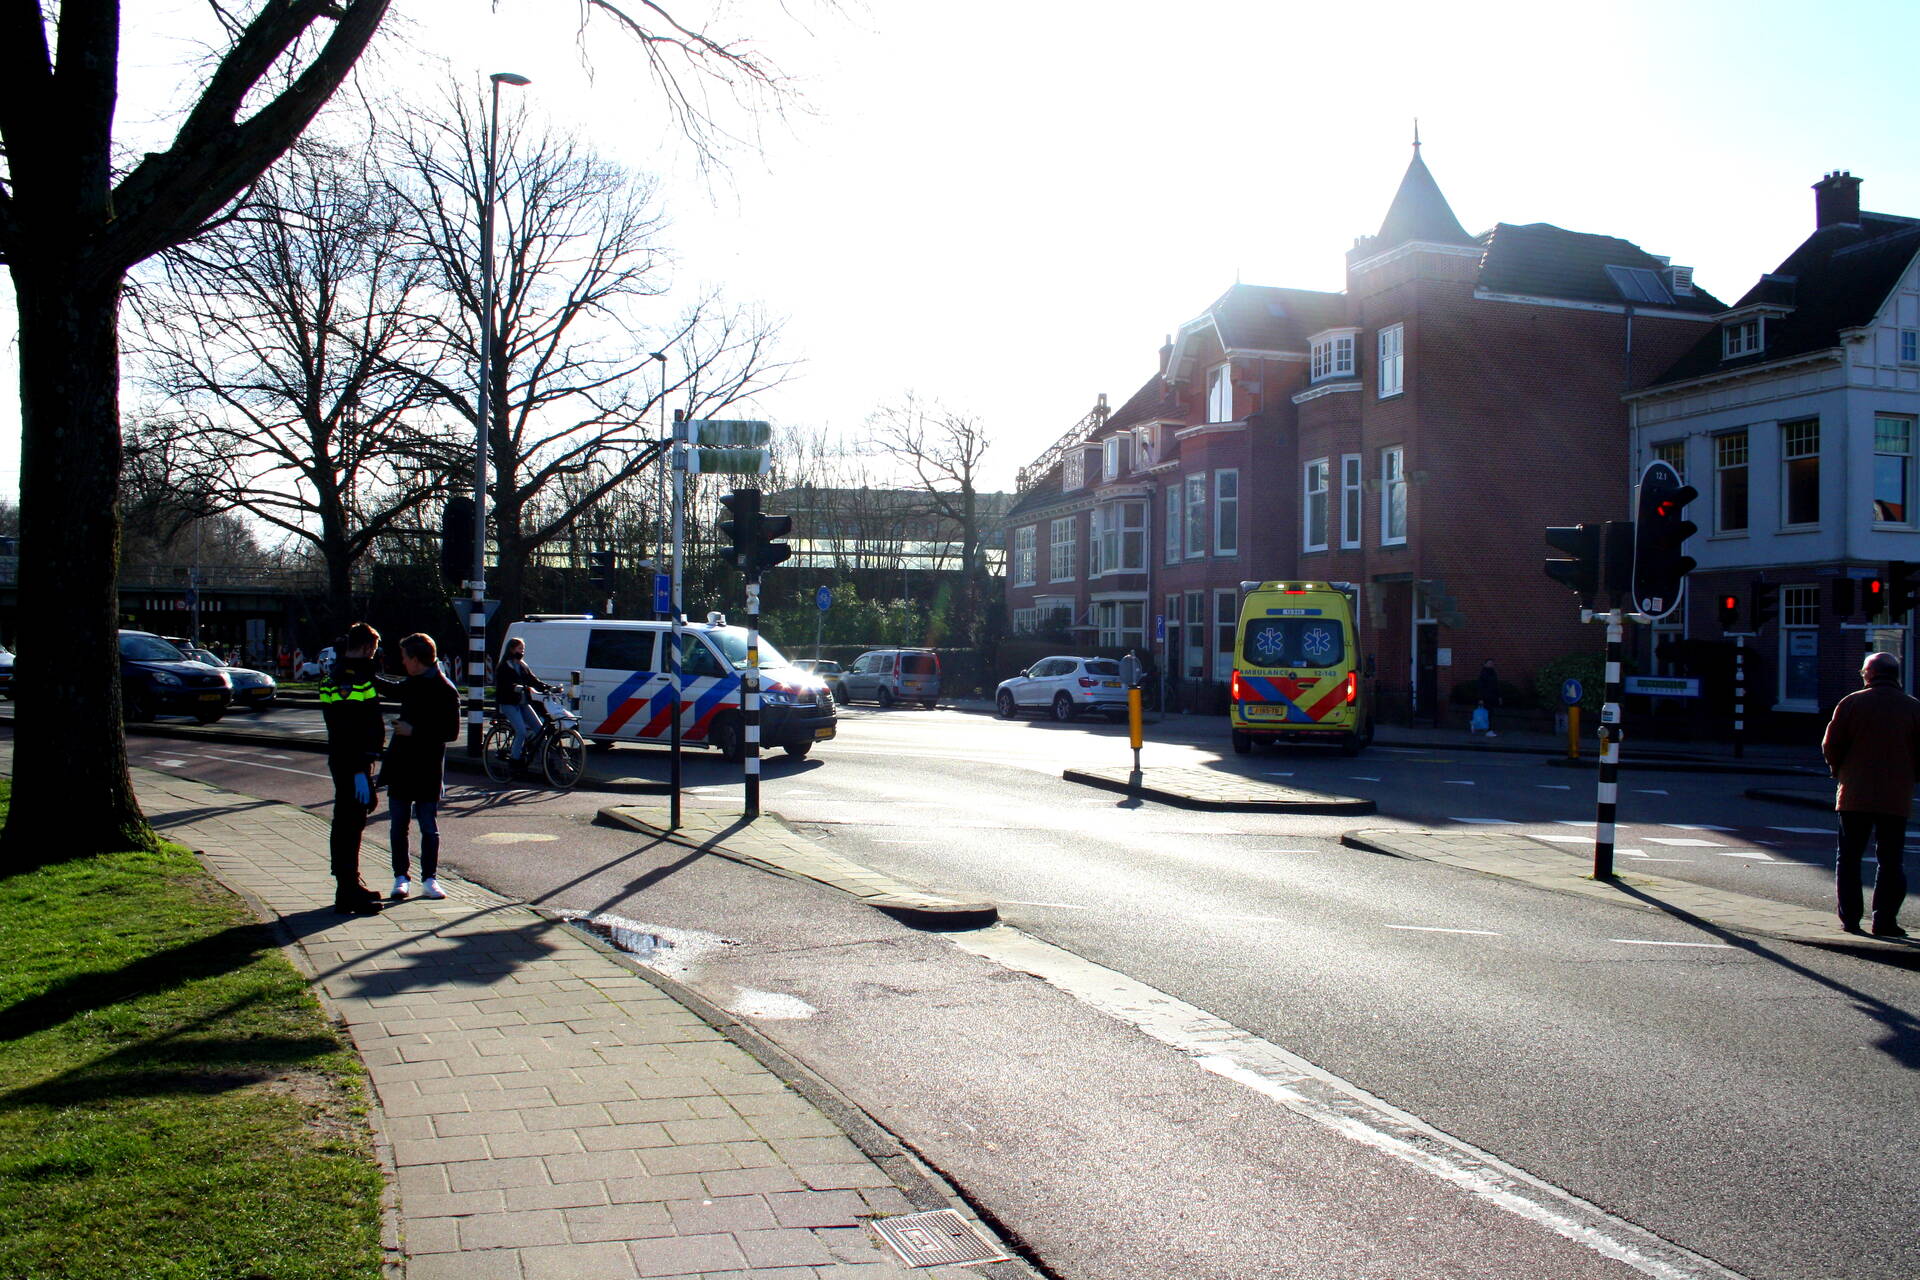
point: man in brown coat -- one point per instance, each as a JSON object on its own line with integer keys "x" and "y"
{"x": 1873, "y": 750}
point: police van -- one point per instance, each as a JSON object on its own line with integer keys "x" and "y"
{"x": 626, "y": 694}
{"x": 1298, "y": 672}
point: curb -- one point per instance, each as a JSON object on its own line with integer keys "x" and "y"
{"x": 1818, "y": 800}
{"x": 1320, "y": 804}
{"x": 904, "y": 902}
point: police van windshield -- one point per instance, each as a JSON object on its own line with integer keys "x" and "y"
{"x": 733, "y": 643}
{"x": 1293, "y": 642}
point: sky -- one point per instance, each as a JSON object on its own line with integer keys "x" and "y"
{"x": 1005, "y": 206}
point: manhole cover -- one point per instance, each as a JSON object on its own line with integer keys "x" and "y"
{"x": 936, "y": 1237}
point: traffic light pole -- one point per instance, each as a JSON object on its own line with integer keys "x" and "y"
{"x": 673, "y": 631}
{"x": 1610, "y": 734}
{"x": 1739, "y": 697}
{"x": 750, "y": 700}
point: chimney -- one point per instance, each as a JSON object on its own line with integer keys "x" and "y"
{"x": 1836, "y": 200}
{"x": 1166, "y": 354}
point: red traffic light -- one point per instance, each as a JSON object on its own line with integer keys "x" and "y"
{"x": 1729, "y": 612}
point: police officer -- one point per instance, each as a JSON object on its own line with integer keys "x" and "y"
{"x": 355, "y": 736}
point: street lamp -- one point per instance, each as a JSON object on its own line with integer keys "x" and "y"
{"x": 477, "y": 619}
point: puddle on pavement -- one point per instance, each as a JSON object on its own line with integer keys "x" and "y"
{"x": 769, "y": 1005}
{"x": 674, "y": 952}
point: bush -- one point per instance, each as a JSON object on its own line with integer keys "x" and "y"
{"x": 1589, "y": 669}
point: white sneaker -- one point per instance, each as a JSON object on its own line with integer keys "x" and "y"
{"x": 430, "y": 888}
{"x": 401, "y": 888}
{"x": 1492, "y": 734}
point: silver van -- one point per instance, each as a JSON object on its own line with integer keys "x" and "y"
{"x": 887, "y": 676}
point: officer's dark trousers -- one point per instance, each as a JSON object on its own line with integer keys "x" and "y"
{"x": 1889, "y": 834}
{"x": 343, "y": 838}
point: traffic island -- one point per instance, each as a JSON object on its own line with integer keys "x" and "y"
{"x": 1208, "y": 789}
{"x": 1556, "y": 867}
{"x": 769, "y": 844}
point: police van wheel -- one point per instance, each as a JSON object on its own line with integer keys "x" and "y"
{"x": 1242, "y": 744}
{"x": 798, "y": 750}
{"x": 726, "y": 735}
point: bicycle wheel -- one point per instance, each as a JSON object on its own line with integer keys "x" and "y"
{"x": 566, "y": 758}
{"x": 496, "y": 750}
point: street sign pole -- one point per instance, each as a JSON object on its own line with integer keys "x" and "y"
{"x": 1739, "y": 697}
{"x": 1610, "y": 734}
{"x": 673, "y": 631}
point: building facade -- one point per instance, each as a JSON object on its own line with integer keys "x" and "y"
{"x": 1795, "y": 418}
{"x": 1411, "y": 434}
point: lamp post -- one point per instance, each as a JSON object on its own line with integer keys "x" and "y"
{"x": 477, "y": 619}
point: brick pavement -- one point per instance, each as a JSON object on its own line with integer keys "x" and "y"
{"x": 547, "y": 1112}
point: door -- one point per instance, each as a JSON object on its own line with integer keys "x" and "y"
{"x": 1426, "y": 672}
{"x": 1038, "y": 689}
{"x": 623, "y": 689}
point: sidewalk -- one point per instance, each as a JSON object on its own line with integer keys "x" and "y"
{"x": 548, "y": 1110}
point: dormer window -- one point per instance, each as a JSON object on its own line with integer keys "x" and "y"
{"x": 1113, "y": 456}
{"x": 1220, "y": 393}
{"x": 1073, "y": 471}
{"x": 1742, "y": 337}
{"x": 1333, "y": 355}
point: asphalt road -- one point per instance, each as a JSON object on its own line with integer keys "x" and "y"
{"x": 1746, "y": 1101}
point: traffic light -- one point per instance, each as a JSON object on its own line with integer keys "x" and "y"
{"x": 1766, "y": 603}
{"x": 1579, "y": 570}
{"x": 771, "y": 553}
{"x": 1901, "y": 589}
{"x": 600, "y": 570}
{"x": 1873, "y": 596}
{"x": 456, "y": 540}
{"x": 1661, "y": 530}
{"x": 1729, "y": 613}
{"x": 741, "y": 527}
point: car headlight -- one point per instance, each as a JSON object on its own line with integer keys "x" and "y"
{"x": 168, "y": 679}
{"x": 779, "y": 695}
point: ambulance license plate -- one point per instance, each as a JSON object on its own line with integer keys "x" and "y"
{"x": 819, "y": 734}
{"x": 1264, "y": 711}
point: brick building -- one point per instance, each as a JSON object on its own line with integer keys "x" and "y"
{"x": 1795, "y": 417}
{"x": 1412, "y": 434}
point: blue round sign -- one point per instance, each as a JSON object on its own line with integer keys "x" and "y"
{"x": 823, "y": 598}
{"x": 1571, "y": 691}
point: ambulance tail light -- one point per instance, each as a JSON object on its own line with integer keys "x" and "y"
{"x": 1353, "y": 687}
{"x": 1234, "y": 687}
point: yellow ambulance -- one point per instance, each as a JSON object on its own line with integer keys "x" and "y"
{"x": 1298, "y": 672}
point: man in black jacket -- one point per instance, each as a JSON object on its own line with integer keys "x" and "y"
{"x": 416, "y": 762}
{"x": 355, "y": 734}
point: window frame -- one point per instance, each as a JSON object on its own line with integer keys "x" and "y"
{"x": 1393, "y": 479}
{"x": 1220, "y": 392}
{"x": 1787, "y": 472}
{"x": 1073, "y": 471}
{"x": 1226, "y": 618}
{"x": 1055, "y": 572}
{"x": 1909, "y": 423}
{"x": 1226, "y": 512}
{"x": 1723, "y": 470}
{"x": 1743, "y": 337}
{"x": 1907, "y": 346}
{"x": 1802, "y": 599}
{"x": 1679, "y": 465}
{"x": 1196, "y": 515}
{"x": 1390, "y": 378}
{"x": 1194, "y": 659}
{"x": 1176, "y": 530}
{"x": 1026, "y": 539}
{"x": 1332, "y": 356}
{"x": 1316, "y": 468}
{"x": 1353, "y": 503}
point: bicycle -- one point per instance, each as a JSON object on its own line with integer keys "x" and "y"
{"x": 556, "y": 747}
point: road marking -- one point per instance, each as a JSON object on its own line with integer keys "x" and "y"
{"x": 1434, "y": 928}
{"x": 894, "y": 841}
{"x": 512, "y": 837}
{"x": 1487, "y": 822}
{"x": 1560, "y": 839}
{"x": 1254, "y": 919}
{"x": 1651, "y": 791}
{"x": 1335, "y": 1104}
{"x": 1459, "y": 782}
{"x": 168, "y": 763}
{"x": 1553, "y": 786}
{"x": 1275, "y": 774}
{"x": 1694, "y": 826}
{"x": 1649, "y": 942}
{"x": 1058, "y": 906}
{"x": 255, "y": 764}
{"x": 1745, "y": 853}
{"x": 1804, "y": 831}
{"x": 1685, "y": 843}
{"x": 1360, "y": 777}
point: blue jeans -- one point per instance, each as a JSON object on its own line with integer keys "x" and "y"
{"x": 426, "y": 813}
{"x": 525, "y": 724}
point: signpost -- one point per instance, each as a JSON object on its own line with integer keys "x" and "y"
{"x": 1571, "y": 691}
{"x": 823, "y": 601}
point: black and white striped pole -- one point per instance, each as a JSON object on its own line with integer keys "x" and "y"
{"x": 750, "y": 699}
{"x": 1739, "y": 697}
{"x": 1608, "y": 796}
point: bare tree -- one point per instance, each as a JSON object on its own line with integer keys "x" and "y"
{"x": 298, "y": 339}
{"x": 944, "y": 450}
{"x": 72, "y": 224}
{"x": 575, "y": 383}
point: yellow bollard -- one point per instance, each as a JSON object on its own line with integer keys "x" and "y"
{"x": 1573, "y": 732}
{"x": 1134, "y": 734}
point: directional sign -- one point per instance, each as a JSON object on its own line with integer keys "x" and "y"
{"x": 1160, "y": 626}
{"x": 823, "y": 598}
{"x": 1571, "y": 691}
{"x": 663, "y": 593}
{"x": 1665, "y": 686}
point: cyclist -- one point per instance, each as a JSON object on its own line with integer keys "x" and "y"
{"x": 513, "y": 681}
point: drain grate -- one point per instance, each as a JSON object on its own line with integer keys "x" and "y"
{"x": 936, "y": 1237}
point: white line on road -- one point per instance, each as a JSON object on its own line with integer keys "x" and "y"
{"x": 897, "y": 842}
{"x": 1650, "y": 791}
{"x": 1434, "y": 928}
{"x": 1685, "y": 843}
{"x": 1754, "y": 854}
{"x": 1272, "y": 773}
{"x": 1804, "y": 831}
{"x": 168, "y": 763}
{"x": 1553, "y": 786}
{"x": 1339, "y": 1106}
{"x": 1058, "y": 906}
{"x": 255, "y": 764}
{"x": 1560, "y": 839}
{"x": 1649, "y": 942}
{"x": 1487, "y": 822}
{"x": 1695, "y": 826}
{"x": 1360, "y": 777}
{"x": 1459, "y": 782}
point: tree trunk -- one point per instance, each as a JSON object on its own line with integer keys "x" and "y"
{"x": 71, "y": 793}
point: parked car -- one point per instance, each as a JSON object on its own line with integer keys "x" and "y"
{"x": 828, "y": 672}
{"x": 316, "y": 666}
{"x": 887, "y": 676}
{"x": 156, "y": 678}
{"x": 6, "y": 672}
{"x": 254, "y": 690}
{"x": 1064, "y": 687}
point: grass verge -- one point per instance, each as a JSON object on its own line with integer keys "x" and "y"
{"x": 173, "y": 1104}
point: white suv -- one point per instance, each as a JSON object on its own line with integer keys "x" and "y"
{"x": 1065, "y": 687}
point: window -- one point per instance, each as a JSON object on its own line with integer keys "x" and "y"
{"x": 1910, "y": 346}
{"x": 1674, "y": 454}
{"x": 1220, "y": 393}
{"x": 1096, "y": 548}
{"x": 1196, "y": 630}
{"x": 1146, "y": 450}
{"x": 696, "y": 659}
{"x": 1800, "y": 647}
{"x": 1730, "y": 482}
{"x": 1740, "y": 338}
{"x": 1121, "y": 535}
{"x": 1226, "y": 611}
{"x": 1173, "y": 524}
{"x": 1226, "y": 513}
{"x": 1056, "y": 612}
{"x": 1060, "y": 551}
{"x": 1393, "y": 497}
{"x": 1073, "y": 471}
{"x": 1023, "y": 556}
{"x": 1350, "y": 500}
{"x": 1196, "y": 516}
{"x": 1313, "y": 535}
{"x": 1392, "y": 360}
{"x": 1800, "y": 472}
{"x": 1293, "y": 642}
{"x": 1121, "y": 622}
{"x": 1026, "y": 621}
{"x": 612, "y": 649}
{"x": 1113, "y": 457}
{"x": 1892, "y": 469}
{"x": 1174, "y": 636}
{"x": 1333, "y": 357}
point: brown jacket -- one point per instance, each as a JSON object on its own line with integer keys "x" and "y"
{"x": 1873, "y": 749}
